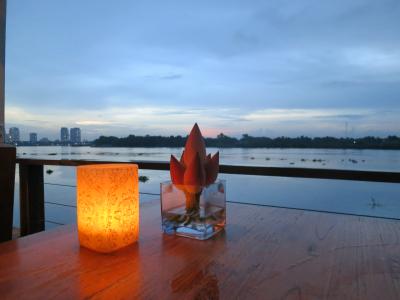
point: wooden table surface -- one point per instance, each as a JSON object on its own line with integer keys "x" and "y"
{"x": 264, "y": 253}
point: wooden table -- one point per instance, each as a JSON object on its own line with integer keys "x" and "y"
{"x": 264, "y": 253}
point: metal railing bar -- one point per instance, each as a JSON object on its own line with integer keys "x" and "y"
{"x": 52, "y": 222}
{"x": 60, "y": 204}
{"x": 269, "y": 205}
{"x": 286, "y": 207}
{"x": 151, "y": 194}
{"x": 60, "y": 184}
{"x": 315, "y": 210}
{"x": 74, "y": 186}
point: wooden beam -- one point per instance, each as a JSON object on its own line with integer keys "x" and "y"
{"x": 31, "y": 198}
{"x": 7, "y": 153}
{"x": 3, "y": 8}
{"x": 373, "y": 176}
{"x": 7, "y": 179}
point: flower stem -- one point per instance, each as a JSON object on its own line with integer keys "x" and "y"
{"x": 192, "y": 203}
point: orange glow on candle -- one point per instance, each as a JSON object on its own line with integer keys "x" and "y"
{"x": 107, "y": 206}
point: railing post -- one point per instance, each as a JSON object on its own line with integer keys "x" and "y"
{"x": 31, "y": 198}
{"x": 3, "y": 14}
{"x": 7, "y": 179}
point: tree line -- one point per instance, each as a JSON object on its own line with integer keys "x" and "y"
{"x": 247, "y": 141}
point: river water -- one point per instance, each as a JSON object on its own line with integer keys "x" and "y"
{"x": 364, "y": 198}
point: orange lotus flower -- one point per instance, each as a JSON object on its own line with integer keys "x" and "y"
{"x": 195, "y": 169}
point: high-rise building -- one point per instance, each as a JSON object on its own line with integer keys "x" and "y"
{"x": 64, "y": 135}
{"x": 75, "y": 134}
{"x": 33, "y": 138}
{"x": 7, "y": 139}
{"x": 14, "y": 135}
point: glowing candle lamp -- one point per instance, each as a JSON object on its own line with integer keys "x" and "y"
{"x": 107, "y": 206}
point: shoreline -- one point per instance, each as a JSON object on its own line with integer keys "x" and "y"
{"x": 214, "y": 147}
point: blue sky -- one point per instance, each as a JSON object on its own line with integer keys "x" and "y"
{"x": 155, "y": 67}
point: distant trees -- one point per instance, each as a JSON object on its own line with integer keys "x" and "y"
{"x": 247, "y": 141}
{"x": 141, "y": 141}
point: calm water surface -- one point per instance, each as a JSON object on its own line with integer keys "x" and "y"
{"x": 375, "y": 199}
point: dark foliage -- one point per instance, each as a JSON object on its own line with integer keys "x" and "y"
{"x": 223, "y": 141}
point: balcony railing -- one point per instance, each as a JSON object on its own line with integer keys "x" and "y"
{"x": 32, "y": 211}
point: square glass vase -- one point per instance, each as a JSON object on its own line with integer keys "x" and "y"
{"x": 195, "y": 215}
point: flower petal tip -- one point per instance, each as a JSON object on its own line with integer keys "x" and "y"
{"x": 176, "y": 170}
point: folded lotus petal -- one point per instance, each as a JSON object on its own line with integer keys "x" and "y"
{"x": 195, "y": 168}
{"x": 177, "y": 171}
{"x": 181, "y": 160}
{"x": 194, "y": 144}
{"x": 212, "y": 168}
{"x": 194, "y": 177}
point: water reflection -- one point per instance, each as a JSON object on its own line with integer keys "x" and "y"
{"x": 199, "y": 270}
{"x": 383, "y": 160}
{"x": 110, "y": 276}
{"x": 202, "y": 284}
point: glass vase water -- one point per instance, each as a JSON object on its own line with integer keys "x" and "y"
{"x": 199, "y": 216}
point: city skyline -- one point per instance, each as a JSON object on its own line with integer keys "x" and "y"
{"x": 67, "y": 136}
{"x": 74, "y": 136}
{"x": 262, "y": 68}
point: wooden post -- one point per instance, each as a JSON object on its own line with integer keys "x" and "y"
{"x": 3, "y": 5}
{"x": 31, "y": 198}
{"x": 7, "y": 153}
{"x": 7, "y": 179}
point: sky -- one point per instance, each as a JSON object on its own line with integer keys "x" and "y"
{"x": 265, "y": 68}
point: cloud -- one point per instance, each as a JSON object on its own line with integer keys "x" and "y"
{"x": 92, "y": 122}
{"x": 175, "y": 120}
{"x": 306, "y": 114}
{"x": 171, "y": 77}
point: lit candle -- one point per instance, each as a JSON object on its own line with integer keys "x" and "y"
{"x": 107, "y": 206}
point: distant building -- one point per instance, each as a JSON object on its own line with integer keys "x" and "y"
{"x": 33, "y": 138}
{"x": 7, "y": 139}
{"x": 64, "y": 135}
{"x": 75, "y": 134}
{"x": 14, "y": 135}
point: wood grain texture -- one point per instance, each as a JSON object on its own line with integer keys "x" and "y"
{"x": 264, "y": 253}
